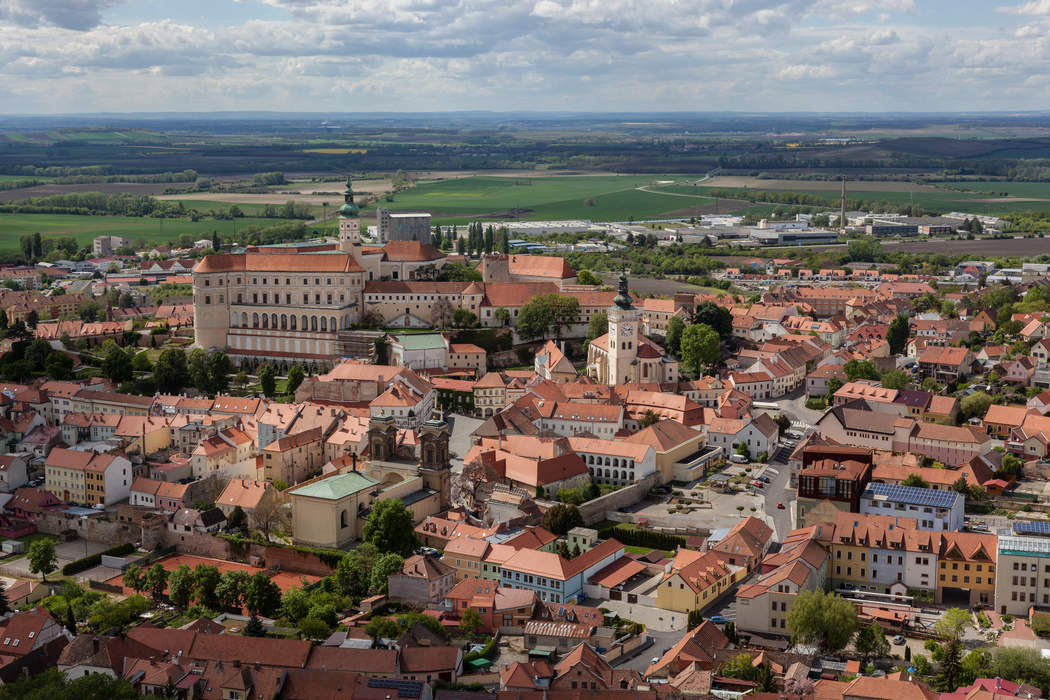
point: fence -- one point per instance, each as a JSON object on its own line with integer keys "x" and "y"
{"x": 628, "y": 647}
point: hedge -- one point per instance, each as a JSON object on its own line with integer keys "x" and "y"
{"x": 642, "y": 538}
{"x": 486, "y": 652}
{"x": 75, "y": 567}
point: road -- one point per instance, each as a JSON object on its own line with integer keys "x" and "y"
{"x": 661, "y": 641}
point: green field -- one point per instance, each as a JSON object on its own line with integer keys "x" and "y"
{"x": 85, "y": 228}
{"x": 613, "y": 198}
{"x": 206, "y": 205}
{"x": 994, "y": 187}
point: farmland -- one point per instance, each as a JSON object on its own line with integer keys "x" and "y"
{"x": 85, "y": 228}
{"x": 540, "y": 198}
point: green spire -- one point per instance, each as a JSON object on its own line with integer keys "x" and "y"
{"x": 348, "y": 208}
{"x": 623, "y": 299}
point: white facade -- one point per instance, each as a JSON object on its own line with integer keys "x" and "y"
{"x": 118, "y": 479}
{"x": 927, "y": 506}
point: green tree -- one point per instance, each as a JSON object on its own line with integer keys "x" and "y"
{"x": 134, "y": 579}
{"x": 976, "y": 404}
{"x": 261, "y": 595}
{"x": 648, "y": 419}
{"x": 871, "y": 643}
{"x": 462, "y": 318}
{"x": 952, "y": 624}
{"x": 156, "y": 580}
{"x": 52, "y": 684}
{"x": 895, "y": 379}
{"x": 385, "y": 566}
{"x": 198, "y": 370}
{"x": 267, "y": 380}
{"x": 470, "y": 622}
{"x": 502, "y": 316}
{"x": 1021, "y": 665}
{"x": 219, "y": 369}
{"x": 597, "y": 326}
{"x": 916, "y": 481}
{"x": 295, "y": 604}
{"x": 229, "y": 593}
{"x": 547, "y": 315}
{"x": 237, "y": 519}
{"x": 205, "y": 582}
{"x": 254, "y": 627}
{"x": 389, "y": 527}
{"x": 951, "y": 666}
{"x": 116, "y": 365}
{"x": 42, "y": 557}
{"x": 140, "y": 362}
{"x": 353, "y": 574}
{"x": 700, "y": 347}
{"x": 834, "y": 384}
{"x": 561, "y": 518}
{"x": 867, "y": 249}
{"x": 180, "y": 585}
{"x": 588, "y": 277}
{"x": 673, "y": 337}
{"x": 37, "y": 353}
{"x": 59, "y": 366}
{"x": 296, "y": 375}
{"x": 822, "y": 619}
{"x": 718, "y": 317}
{"x": 383, "y": 628}
{"x": 860, "y": 369}
{"x": 171, "y": 372}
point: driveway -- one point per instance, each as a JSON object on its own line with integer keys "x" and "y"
{"x": 65, "y": 552}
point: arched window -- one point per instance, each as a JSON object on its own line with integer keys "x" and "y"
{"x": 291, "y": 322}
{"x": 244, "y": 320}
{"x": 313, "y": 323}
{"x": 324, "y": 323}
{"x": 305, "y": 323}
{"x": 284, "y": 321}
{"x": 273, "y": 321}
{"x": 331, "y": 324}
{"x": 266, "y": 321}
{"x": 255, "y": 320}
{"x": 343, "y": 519}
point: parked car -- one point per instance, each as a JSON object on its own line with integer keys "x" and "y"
{"x": 764, "y": 479}
{"x": 718, "y": 619}
{"x": 898, "y": 640}
{"x": 780, "y": 505}
{"x": 793, "y": 434}
{"x": 738, "y": 459}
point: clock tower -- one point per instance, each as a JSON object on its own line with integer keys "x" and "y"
{"x": 623, "y": 337}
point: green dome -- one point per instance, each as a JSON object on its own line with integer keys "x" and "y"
{"x": 349, "y": 208}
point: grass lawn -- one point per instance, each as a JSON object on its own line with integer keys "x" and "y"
{"x": 206, "y": 205}
{"x": 85, "y": 228}
{"x": 28, "y": 540}
{"x": 611, "y": 198}
{"x": 645, "y": 550}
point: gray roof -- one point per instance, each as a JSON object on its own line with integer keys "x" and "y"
{"x": 335, "y": 487}
{"x": 911, "y": 495}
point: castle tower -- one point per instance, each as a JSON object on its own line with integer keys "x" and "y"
{"x": 623, "y": 337}
{"x": 382, "y": 438}
{"x": 349, "y": 223}
{"x": 434, "y": 466}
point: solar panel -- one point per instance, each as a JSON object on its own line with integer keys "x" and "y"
{"x": 1031, "y": 527}
{"x": 405, "y": 689}
{"x": 912, "y": 495}
{"x": 1032, "y": 545}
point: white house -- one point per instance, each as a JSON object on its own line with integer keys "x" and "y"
{"x": 933, "y": 509}
{"x": 759, "y": 434}
{"x": 13, "y": 472}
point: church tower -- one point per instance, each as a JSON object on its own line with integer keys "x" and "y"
{"x": 623, "y": 337}
{"x": 434, "y": 464}
{"x": 349, "y": 223}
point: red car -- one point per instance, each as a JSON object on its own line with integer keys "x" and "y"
{"x": 780, "y": 505}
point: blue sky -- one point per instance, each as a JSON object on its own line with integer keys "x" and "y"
{"x": 60, "y": 56}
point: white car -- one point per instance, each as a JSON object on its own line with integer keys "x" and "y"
{"x": 738, "y": 459}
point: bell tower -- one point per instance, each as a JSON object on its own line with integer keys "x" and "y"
{"x": 623, "y": 337}
{"x": 349, "y": 223}
{"x": 434, "y": 466}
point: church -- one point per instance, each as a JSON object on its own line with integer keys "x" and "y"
{"x": 624, "y": 355}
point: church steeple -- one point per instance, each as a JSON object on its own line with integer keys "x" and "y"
{"x": 348, "y": 208}
{"x": 623, "y": 299}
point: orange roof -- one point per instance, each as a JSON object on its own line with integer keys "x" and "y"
{"x": 279, "y": 262}
{"x": 540, "y": 266}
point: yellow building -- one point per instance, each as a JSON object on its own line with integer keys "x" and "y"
{"x": 695, "y": 580}
{"x": 679, "y": 450}
{"x": 295, "y": 457}
{"x": 325, "y": 509}
{"x": 466, "y": 556}
{"x": 92, "y": 401}
{"x": 966, "y": 568}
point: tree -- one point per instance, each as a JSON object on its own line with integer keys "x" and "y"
{"x": 700, "y": 347}
{"x": 353, "y": 574}
{"x": 470, "y": 622}
{"x": 916, "y": 481}
{"x": 673, "y": 336}
{"x": 546, "y": 315}
{"x": 271, "y": 515}
{"x": 37, "y": 353}
{"x": 89, "y": 310}
{"x": 952, "y": 624}
{"x": 254, "y": 627}
{"x": 871, "y": 643}
{"x": 389, "y": 527}
{"x": 261, "y": 595}
{"x": 597, "y": 326}
{"x": 215, "y": 243}
{"x": 383, "y": 628}
{"x": 561, "y": 518}
{"x": 501, "y": 315}
{"x": 386, "y": 565}
{"x": 462, "y": 318}
{"x": 860, "y": 369}
{"x": 170, "y": 372}
{"x": 296, "y": 375}
{"x": 951, "y": 667}
{"x": 140, "y": 362}
{"x": 230, "y": 591}
{"x": 743, "y": 667}
{"x": 895, "y": 379}
{"x": 116, "y": 365}
{"x": 823, "y": 619}
{"x": 834, "y": 384}
{"x": 267, "y": 380}
{"x": 295, "y": 604}
{"x": 42, "y": 557}
{"x": 134, "y": 579}
{"x": 156, "y": 580}
{"x": 180, "y": 585}
{"x": 648, "y": 419}
{"x": 718, "y": 317}
{"x": 219, "y": 368}
{"x": 205, "y": 582}
{"x": 198, "y": 370}
{"x": 236, "y": 519}
{"x": 32, "y": 318}
{"x": 1022, "y": 665}
{"x": 588, "y": 277}
{"x": 52, "y": 684}
{"x": 976, "y": 404}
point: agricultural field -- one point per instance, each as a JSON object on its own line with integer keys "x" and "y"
{"x": 85, "y": 228}
{"x": 540, "y": 198}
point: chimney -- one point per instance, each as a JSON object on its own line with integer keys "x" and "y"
{"x": 94, "y": 644}
{"x": 353, "y": 461}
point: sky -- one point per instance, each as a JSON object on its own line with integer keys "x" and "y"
{"x": 78, "y": 56}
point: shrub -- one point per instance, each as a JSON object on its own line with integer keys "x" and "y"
{"x": 642, "y": 538}
{"x": 486, "y": 652}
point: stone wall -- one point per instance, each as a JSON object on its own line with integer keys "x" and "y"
{"x": 594, "y": 511}
{"x": 91, "y": 528}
